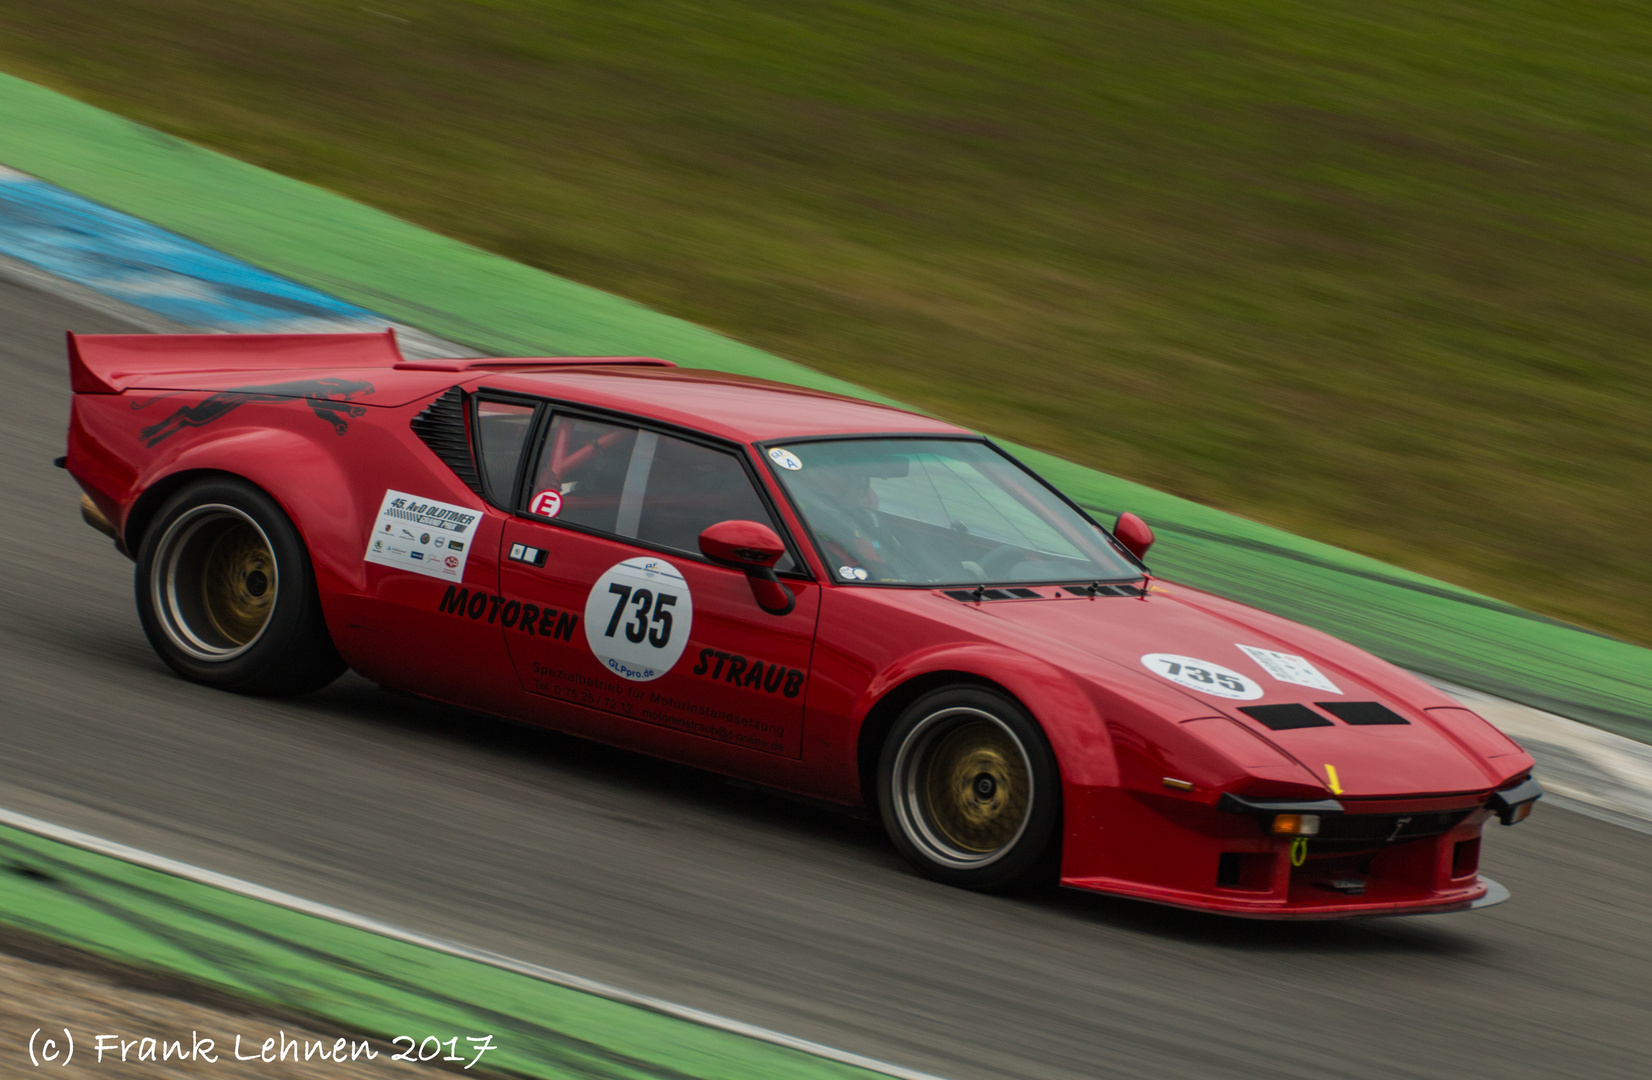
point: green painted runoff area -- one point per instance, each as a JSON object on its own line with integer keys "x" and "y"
{"x": 301, "y": 966}
{"x": 471, "y": 296}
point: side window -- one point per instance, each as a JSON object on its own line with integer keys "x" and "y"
{"x": 502, "y": 430}
{"x": 582, "y": 474}
{"x": 641, "y": 485}
{"x": 691, "y": 487}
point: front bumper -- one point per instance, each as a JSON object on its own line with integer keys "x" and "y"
{"x": 1483, "y": 894}
{"x": 1372, "y": 857}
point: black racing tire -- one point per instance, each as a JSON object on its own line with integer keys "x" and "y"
{"x": 970, "y": 791}
{"x": 227, "y": 595}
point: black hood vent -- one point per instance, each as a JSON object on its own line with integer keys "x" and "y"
{"x": 1362, "y": 712}
{"x": 974, "y": 596}
{"x": 1284, "y": 717}
{"x": 1103, "y": 590}
{"x": 442, "y": 427}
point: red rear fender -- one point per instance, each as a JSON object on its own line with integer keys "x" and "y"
{"x": 304, "y": 478}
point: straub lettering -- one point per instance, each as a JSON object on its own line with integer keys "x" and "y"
{"x": 755, "y": 674}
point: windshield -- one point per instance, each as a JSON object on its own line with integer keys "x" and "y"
{"x": 939, "y": 512}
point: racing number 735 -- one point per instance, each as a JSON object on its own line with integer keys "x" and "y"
{"x": 651, "y": 607}
{"x": 1198, "y": 674}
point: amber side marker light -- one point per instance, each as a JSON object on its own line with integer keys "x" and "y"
{"x": 1296, "y": 824}
{"x": 1514, "y": 804}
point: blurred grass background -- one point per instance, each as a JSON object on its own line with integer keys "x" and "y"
{"x": 1374, "y": 272}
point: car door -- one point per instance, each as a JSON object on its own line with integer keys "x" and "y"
{"x": 607, "y": 602}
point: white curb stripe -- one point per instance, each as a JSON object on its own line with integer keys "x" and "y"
{"x": 1586, "y": 769}
{"x": 184, "y": 870}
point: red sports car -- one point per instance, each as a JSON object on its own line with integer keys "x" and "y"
{"x": 848, "y": 601}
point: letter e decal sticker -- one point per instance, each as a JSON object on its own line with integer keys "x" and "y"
{"x": 546, "y": 503}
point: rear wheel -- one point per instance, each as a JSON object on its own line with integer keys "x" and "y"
{"x": 227, "y": 595}
{"x": 969, "y": 791}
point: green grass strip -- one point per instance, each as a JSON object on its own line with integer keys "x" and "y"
{"x": 300, "y": 964}
{"x": 468, "y": 295}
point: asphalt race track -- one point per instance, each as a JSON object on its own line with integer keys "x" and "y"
{"x": 670, "y": 882}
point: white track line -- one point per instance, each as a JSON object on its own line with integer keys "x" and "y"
{"x": 521, "y": 967}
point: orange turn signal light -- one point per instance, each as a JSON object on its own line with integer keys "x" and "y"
{"x": 1296, "y": 824}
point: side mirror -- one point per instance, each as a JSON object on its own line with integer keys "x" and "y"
{"x": 753, "y": 547}
{"x": 1134, "y": 534}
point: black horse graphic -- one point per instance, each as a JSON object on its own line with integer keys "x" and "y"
{"x": 328, "y": 398}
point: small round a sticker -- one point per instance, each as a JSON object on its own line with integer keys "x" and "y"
{"x": 637, "y": 618}
{"x": 785, "y": 459}
{"x": 547, "y": 503}
{"x": 1202, "y": 675}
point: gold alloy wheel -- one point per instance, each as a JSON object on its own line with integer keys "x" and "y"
{"x": 214, "y": 582}
{"x": 965, "y": 788}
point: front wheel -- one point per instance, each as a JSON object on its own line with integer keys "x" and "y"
{"x": 227, "y": 595}
{"x": 970, "y": 792}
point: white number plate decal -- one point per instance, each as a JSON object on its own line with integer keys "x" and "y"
{"x": 1288, "y": 667}
{"x": 426, "y": 537}
{"x": 1201, "y": 675}
{"x": 637, "y": 618}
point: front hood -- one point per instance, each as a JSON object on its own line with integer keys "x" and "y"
{"x": 1357, "y": 723}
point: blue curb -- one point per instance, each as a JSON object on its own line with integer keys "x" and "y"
{"x": 148, "y": 267}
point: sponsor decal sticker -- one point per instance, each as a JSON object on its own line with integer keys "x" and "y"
{"x": 440, "y": 525}
{"x": 547, "y": 503}
{"x": 785, "y": 459}
{"x": 1289, "y": 668}
{"x": 638, "y": 617}
{"x": 1202, "y": 675}
{"x": 851, "y": 573}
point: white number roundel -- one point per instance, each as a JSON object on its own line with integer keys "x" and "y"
{"x": 1201, "y": 675}
{"x": 637, "y": 618}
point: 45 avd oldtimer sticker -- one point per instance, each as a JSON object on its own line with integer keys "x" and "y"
{"x": 422, "y": 535}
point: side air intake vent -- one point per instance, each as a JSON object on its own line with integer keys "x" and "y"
{"x": 442, "y": 427}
